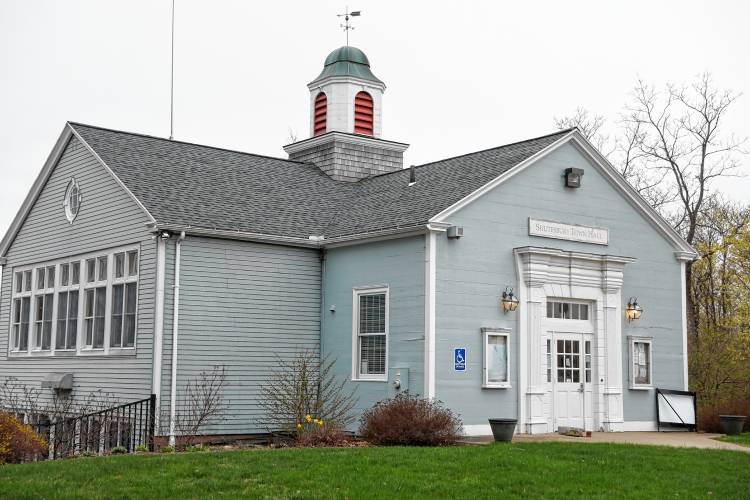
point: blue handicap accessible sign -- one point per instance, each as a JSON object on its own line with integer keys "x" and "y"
{"x": 459, "y": 359}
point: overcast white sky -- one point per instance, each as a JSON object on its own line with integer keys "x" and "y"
{"x": 461, "y": 75}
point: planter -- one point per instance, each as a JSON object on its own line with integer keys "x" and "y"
{"x": 732, "y": 424}
{"x": 503, "y": 428}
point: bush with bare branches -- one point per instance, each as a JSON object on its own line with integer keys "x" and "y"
{"x": 305, "y": 386}
{"x": 201, "y": 403}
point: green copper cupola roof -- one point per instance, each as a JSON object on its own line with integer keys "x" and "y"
{"x": 347, "y": 61}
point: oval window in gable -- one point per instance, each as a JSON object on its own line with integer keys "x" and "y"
{"x": 72, "y": 201}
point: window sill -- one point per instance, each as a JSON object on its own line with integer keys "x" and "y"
{"x": 497, "y": 386}
{"x": 641, "y": 387}
{"x": 381, "y": 380}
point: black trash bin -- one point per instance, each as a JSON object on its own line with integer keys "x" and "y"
{"x": 732, "y": 424}
{"x": 503, "y": 428}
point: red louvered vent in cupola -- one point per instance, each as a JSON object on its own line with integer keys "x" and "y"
{"x": 363, "y": 113}
{"x": 321, "y": 110}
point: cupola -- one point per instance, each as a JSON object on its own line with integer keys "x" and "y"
{"x": 346, "y": 121}
{"x": 352, "y": 93}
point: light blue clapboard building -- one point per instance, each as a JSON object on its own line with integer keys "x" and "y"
{"x": 137, "y": 262}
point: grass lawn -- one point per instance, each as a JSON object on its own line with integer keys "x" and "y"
{"x": 743, "y": 439}
{"x": 516, "y": 470}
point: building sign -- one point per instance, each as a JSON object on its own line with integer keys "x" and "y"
{"x": 570, "y": 232}
{"x": 459, "y": 359}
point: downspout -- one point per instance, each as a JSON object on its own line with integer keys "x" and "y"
{"x": 175, "y": 331}
{"x": 161, "y": 239}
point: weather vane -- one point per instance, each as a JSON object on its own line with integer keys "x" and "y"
{"x": 346, "y": 15}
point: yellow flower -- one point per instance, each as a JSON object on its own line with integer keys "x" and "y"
{"x": 316, "y": 421}
{"x": 308, "y": 418}
{"x": 299, "y": 426}
{"x": 321, "y": 422}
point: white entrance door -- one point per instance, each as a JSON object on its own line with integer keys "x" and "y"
{"x": 572, "y": 381}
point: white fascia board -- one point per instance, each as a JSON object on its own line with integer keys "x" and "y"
{"x": 111, "y": 172}
{"x": 683, "y": 250}
{"x": 317, "y": 84}
{"x": 355, "y": 139}
{"x": 556, "y": 252}
{"x": 36, "y": 190}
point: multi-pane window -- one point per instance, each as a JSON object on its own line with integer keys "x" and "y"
{"x": 496, "y": 360}
{"x": 55, "y": 304}
{"x": 640, "y": 364}
{"x": 371, "y": 320}
{"x": 124, "y": 299}
{"x": 567, "y": 310}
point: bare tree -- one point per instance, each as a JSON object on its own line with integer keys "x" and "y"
{"x": 621, "y": 151}
{"x": 671, "y": 149}
{"x": 680, "y": 134}
{"x": 201, "y": 403}
{"x": 305, "y": 385}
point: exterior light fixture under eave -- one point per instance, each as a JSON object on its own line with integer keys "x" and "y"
{"x": 633, "y": 310}
{"x": 509, "y": 301}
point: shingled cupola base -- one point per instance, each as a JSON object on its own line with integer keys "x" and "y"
{"x": 349, "y": 157}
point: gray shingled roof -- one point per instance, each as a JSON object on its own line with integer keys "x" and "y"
{"x": 200, "y": 186}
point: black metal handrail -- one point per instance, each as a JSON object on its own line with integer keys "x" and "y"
{"x": 128, "y": 426}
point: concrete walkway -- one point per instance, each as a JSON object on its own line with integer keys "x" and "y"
{"x": 679, "y": 439}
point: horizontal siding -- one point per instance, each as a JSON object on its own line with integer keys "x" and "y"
{"x": 242, "y": 305}
{"x": 399, "y": 264}
{"x": 473, "y": 271}
{"x": 108, "y": 218}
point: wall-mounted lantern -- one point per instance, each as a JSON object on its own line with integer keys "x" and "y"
{"x": 573, "y": 177}
{"x": 509, "y": 301}
{"x": 633, "y": 310}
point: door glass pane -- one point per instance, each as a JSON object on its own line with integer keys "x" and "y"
{"x": 561, "y": 375}
{"x": 576, "y": 376}
{"x": 560, "y": 346}
{"x": 576, "y": 347}
{"x": 568, "y": 346}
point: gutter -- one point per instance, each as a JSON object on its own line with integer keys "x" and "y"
{"x": 310, "y": 242}
{"x": 175, "y": 332}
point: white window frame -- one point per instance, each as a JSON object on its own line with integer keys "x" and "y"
{"x": 357, "y": 292}
{"x": 28, "y": 293}
{"x": 108, "y": 282}
{"x": 486, "y": 334}
{"x": 588, "y": 304}
{"x": 632, "y": 340}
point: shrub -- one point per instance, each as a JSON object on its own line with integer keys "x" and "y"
{"x": 197, "y": 448}
{"x": 141, "y": 448}
{"x": 312, "y": 432}
{"x": 302, "y": 386}
{"x": 167, "y": 449}
{"x": 410, "y": 420}
{"x": 708, "y": 414}
{"x": 119, "y": 450}
{"x": 19, "y": 442}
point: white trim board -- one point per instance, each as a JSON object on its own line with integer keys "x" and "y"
{"x": 683, "y": 250}
{"x": 639, "y": 426}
